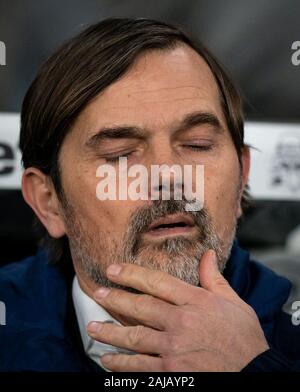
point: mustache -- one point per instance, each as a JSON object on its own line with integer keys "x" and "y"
{"x": 142, "y": 218}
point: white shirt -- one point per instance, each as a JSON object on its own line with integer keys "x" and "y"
{"x": 88, "y": 310}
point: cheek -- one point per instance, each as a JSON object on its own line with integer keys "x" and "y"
{"x": 221, "y": 196}
{"x": 105, "y": 217}
{"x": 108, "y": 217}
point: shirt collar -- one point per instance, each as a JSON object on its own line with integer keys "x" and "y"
{"x": 88, "y": 310}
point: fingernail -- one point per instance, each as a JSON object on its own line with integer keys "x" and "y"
{"x": 94, "y": 327}
{"x": 114, "y": 269}
{"x": 101, "y": 293}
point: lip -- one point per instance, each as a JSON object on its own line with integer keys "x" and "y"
{"x": 156, "y": 231}
{"x": 172, "y": 219}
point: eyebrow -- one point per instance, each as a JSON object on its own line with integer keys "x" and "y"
{"x": 199, "y": 118}
{"x": 133, "y": 132}
{"x": 116, "y": 132}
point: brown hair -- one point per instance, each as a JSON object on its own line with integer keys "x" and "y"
{"x": 82, "y": 68}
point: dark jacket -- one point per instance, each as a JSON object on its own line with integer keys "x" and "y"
{"x": 42, "y": 334}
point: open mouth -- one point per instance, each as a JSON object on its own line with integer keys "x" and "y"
{"x": 172, "y": 225}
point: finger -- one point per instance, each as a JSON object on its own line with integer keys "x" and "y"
{"x": 143, "y": 308}
{"x": 156, "y": 283}
{"x": 132, "y": 363}
{"x": 139, "y": 339}
{"x": 212, "y": 280}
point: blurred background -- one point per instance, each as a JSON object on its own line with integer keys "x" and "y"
{"x": 253, "y": 39}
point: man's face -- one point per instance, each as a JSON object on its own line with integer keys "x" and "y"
{"x": 159, "y": 104}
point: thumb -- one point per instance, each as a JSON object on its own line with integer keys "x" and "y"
{"x": 212, "y": 280}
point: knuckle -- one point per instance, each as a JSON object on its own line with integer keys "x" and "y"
{"x": 136, "y": 335}
{"x": 113, "y": 297}
{"x": 140, "y": 301}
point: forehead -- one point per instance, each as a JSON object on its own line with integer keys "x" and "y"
{"x": 158, "y": 90}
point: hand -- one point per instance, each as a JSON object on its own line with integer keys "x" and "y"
{"x": 177, "y": 326}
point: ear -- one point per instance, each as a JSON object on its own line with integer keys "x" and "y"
{"x": 38, "y": 191}
{"x": 245, "y": 174}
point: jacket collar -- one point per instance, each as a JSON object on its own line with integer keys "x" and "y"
{"x": 260, "y": 287}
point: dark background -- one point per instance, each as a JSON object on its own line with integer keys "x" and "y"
{"x": 251, "y": 38}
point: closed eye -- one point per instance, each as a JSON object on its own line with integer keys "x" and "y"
{"x": 195, "y": 147}
{"x": 115, "y": 158}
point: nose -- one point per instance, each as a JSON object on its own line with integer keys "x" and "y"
{"x": 166, "y": 174}
{"x": 166, "y": 182}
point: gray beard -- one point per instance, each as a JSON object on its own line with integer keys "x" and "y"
{"x": 177, "y": 256}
